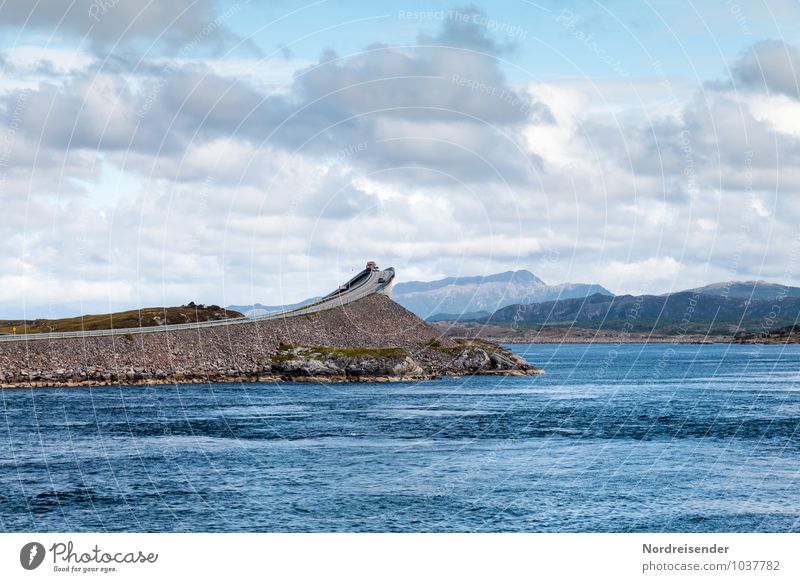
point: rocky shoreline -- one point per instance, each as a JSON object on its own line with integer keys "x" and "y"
{"x": 610, "y": 339}
{"x": 572, "y": 335}
{"x": 371, "y": 340}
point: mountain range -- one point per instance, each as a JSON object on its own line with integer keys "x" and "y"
{"x": 472, "y": 297}
{"x": 256, "y": 309}
{"x": 759, "y": 290}
{"x": 709, "y": 309}
{"x": 523, "y": 299}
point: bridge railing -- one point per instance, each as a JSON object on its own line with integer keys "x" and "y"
{"x": 359, "y": 292}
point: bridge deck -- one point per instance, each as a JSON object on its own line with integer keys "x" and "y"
{"x": 364, "y": 283}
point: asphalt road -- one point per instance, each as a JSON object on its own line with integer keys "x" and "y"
{"x": 364, "y": 283}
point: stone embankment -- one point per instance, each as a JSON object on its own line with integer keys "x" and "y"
{"x": 373, "y": 339}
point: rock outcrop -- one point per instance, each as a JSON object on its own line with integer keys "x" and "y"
{"x": 373, "y": 339}
{"x": 353, "y": 364}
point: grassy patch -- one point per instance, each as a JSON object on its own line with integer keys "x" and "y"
{"x": 360, "y": 352}
{"x": 287, "y": 352}
{"x": 464, "y": 344}
{"x": 147, "y": 317}
{"x": 449, "y": 350}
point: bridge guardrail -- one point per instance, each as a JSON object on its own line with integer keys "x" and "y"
{"x": 328, "y": 302}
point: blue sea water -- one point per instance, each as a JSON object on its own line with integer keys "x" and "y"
{"x": 612, "y": 438}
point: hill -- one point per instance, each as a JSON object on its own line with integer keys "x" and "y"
{"x": 370, "y": 339}
{"x": 146, "y": 317}
{"x": 761, "y": 290}
{"x": 468, "y": 316}
{"x": 461, "y": 295}
{"x": 683, "y": 312}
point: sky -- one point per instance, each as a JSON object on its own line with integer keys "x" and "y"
{"x": 239, "y": 152}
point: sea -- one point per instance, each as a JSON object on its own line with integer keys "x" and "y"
{"x": 612, "y": 438}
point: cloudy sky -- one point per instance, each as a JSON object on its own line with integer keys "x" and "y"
{"x": 153, "y": 153}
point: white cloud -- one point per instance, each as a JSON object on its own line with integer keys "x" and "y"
{"x": 227, "y": 190}
{"x": 32, "y": 59}
{"x": 782, "y": 112}
{"x": 650, "y": 273}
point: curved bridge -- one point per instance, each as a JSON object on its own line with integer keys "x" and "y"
{"x": 365, "y": 283}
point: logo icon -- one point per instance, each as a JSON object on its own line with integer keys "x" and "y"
{"x": 31, "y": 555}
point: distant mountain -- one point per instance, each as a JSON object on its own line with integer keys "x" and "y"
{"x": 257, "y": 309}
{"x": 463, "y": 295}
{"x": 684, "y": 312}
{"x": 468, "y": 316}
{"x": 749, "y": 290}
{"x": 522, "y": 277}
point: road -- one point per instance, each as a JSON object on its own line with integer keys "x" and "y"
{"x": 363, "y": 284}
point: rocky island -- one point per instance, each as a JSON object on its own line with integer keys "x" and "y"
{"x": 372, "y": 339}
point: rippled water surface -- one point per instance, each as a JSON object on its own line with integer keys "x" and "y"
{"x": 612, "y": 438}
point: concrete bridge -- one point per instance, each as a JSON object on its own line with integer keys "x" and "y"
{"x": 370, "y": 280}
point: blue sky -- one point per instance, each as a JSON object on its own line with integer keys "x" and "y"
{"x": 236, "y": 152}
{"x": 693, "y": 39}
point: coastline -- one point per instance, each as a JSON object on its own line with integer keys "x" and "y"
{"x": 614, "y": 341}
{"x": 573, "y": 335}
{"x": 370, "y": 340}
{"x": 262, "y": 380}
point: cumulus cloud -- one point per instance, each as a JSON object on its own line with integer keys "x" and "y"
{"x": 423, "y": 156}
{"x": 122, "y": 25}
{"x": 469, "y": 28}
{"x": 445, "y": 110}
{"x": 772, "y": 66}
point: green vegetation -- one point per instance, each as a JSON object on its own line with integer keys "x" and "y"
{"x": 449, "y": 349}
{"x": 361, "y": 352}
{"x": 463, "y": 344}
{"x": 147, "y": 317}
{"x": 287, "y": 352}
